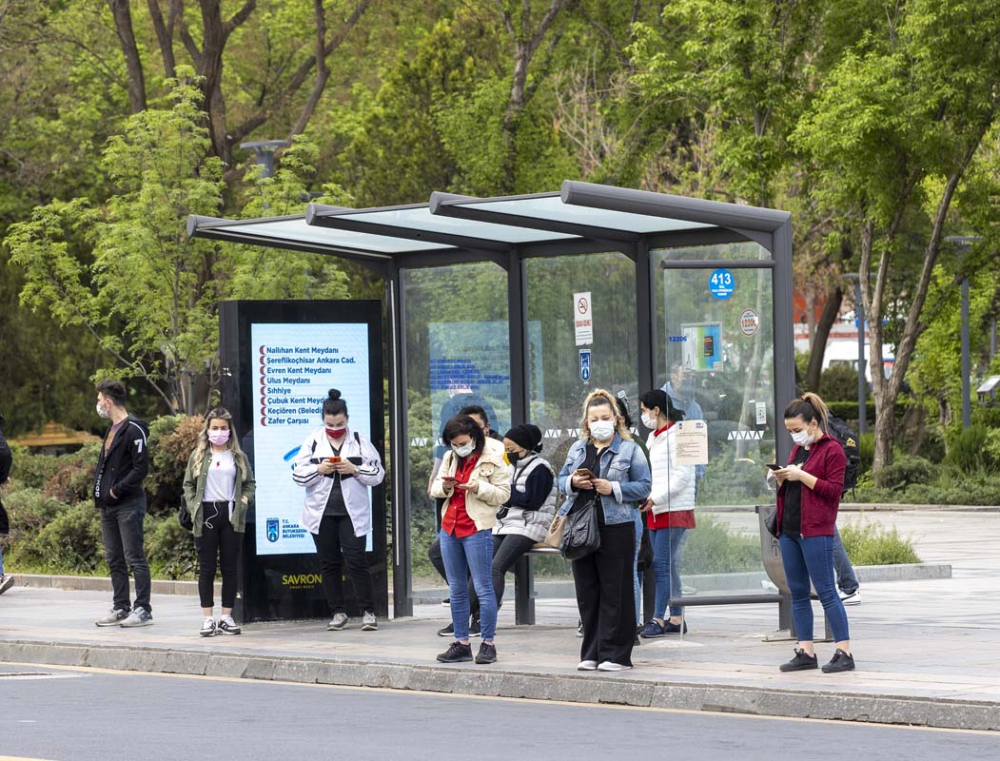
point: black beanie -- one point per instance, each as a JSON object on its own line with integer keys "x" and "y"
{"x": 527, "y": 436}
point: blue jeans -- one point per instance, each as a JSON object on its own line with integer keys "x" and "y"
{"x": 846, "y": 579}
{"x": 470, "y": 554}
{"x": 668, "y": 555}
{"x": 811, "y": 558}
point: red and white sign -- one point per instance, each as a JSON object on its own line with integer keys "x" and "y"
{"x": 583, "y": 318}
{"x": 749, "y": 322}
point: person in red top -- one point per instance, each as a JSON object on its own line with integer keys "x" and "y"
{"x": 473, "y": 481}
{"x": 669, "y": 510}
{"x": 809, "y": 489}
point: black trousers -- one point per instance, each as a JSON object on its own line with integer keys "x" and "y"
{"x": 219, "y": 544}
{"x": 434, "y": 555}
{"x": 337, "y": 545}
{"x": 506, "y": 551}
{"x": 121, "y": 530}
{"x": 606, "y": 596}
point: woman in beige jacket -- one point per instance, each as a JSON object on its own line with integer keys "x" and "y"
{"x": 474, "y": 482}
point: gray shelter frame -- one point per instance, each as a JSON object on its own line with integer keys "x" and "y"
{"x": 582, "y": 218}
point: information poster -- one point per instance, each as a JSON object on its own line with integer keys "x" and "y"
{"x": 692, "y": 442}
{"x": 295, "y": 365}
{"x": 701, "y": 348}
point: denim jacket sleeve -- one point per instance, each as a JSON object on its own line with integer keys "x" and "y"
{"x": 637, "y": 488}
{"x": 565, "y": 478}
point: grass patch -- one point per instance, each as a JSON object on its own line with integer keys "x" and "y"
{"x": 873, "y": 544}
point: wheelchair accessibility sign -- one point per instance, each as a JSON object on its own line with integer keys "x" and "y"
{"x": 585, "y": 365}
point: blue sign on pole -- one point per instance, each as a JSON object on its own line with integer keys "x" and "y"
{"x": 721, "y": 284}
{"x": 585, "y": 364}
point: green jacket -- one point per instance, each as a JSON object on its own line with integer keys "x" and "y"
{"x": 194, "y": 491}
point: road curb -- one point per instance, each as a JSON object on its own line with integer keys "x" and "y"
{"x": 589, "y": 688}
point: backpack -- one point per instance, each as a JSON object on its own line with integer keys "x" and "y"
{"x": 849, "y": 441}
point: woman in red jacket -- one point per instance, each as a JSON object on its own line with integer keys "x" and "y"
{"x": 808, "y": 497}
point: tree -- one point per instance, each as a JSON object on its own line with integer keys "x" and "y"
{"x": 892, "y": 133}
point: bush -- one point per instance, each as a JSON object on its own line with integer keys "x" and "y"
{"x": 713, "y": 548}
{"x": 967, "y": 448}
{"x": 71, "y": 543}
{"x": 873, "y": 544}
{"x": 933, "y": 446}
{"x": 169, "y": 549}
{"x": 74, "y": 481}
{"x": 30, "y": 511}
{"x": 866, "y": 452}
{"x": 839, "y": 383}
{"x": 988, "y": 417}
{"x": 32, "y": 471}
{"x": 904, "y": 471}
{"x": 172, "y": 438}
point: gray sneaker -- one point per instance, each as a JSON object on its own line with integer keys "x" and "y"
{"x": 339, "y": 622}
{"x": 368, "y": 622}
{"x": 138, "y": 617}
{"x": 114, "y": 618}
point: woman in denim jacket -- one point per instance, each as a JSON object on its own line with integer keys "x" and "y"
{"x": 604, "y": 578}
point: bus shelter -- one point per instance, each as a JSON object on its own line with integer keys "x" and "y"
{"x": 524, "y": 304}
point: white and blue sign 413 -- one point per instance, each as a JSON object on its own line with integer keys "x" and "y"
{"x": 721, "y": 284}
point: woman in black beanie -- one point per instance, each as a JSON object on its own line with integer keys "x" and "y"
{"x": 525, "y": 518}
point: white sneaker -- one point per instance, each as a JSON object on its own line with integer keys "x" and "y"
{"x": 138, "y": 617}
{"x": 208, "y": 627}
{"x": 587, "y": 666}
{"x": 368, "y": 622}
{"x": 854, "y": 598}
{"x": 228, "y": 626}
{"x": 609, "y": 666}
{"x": 338, "y": 622}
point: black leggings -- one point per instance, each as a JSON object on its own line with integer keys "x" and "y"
{"x": 506, "y": 551}
{"x": 337, "y": 545}
{"x": 218, "y": 538}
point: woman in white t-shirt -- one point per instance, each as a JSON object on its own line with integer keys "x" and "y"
{"x": 218, "y": 487}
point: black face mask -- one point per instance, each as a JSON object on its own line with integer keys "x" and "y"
{"x": 513, "y": 457}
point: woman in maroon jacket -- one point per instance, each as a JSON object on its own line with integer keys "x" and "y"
{"x": 808, "y": 497}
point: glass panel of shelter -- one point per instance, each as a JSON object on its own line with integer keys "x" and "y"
{"x": 564, "y": 367}
{"x": 714, "y": 355}
{"x": 457, "y": 354}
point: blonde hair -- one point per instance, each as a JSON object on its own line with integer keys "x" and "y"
{"x": 810, "y": 407}
{"x": 598, "y": 398}
{"x": 221, "y": 413}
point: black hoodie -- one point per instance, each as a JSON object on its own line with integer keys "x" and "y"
{"x": 122, "y": 467}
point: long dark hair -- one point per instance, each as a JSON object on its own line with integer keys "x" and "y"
{"x": 661, "y": 400}
{"x": 463, "y": 424}
{"x": 333, "y": 404}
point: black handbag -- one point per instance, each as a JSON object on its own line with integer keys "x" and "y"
{"x": 771, "y": 523}
{"x": 184, "y": 517}
{"x": 581, "y": 535}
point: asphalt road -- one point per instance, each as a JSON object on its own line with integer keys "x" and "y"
{"x": 78, "y": 715}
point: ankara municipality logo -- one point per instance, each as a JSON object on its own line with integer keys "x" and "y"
{"x": 272, "y": 529}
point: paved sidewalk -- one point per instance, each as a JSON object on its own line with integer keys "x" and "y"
{"x": 926, "y": 650}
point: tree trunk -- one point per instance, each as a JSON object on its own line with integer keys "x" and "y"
{"x": 133, "y": 63}
{"x": 818, "y": 348}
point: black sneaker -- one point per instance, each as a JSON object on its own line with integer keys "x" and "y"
{"x": 801, "y": 662}
{"x": 841, "y": 661}
{"x": 456, "y": 653}
{"x": 446, "y": 602}
{"x": 448, "y": 631}
{"x": 670, "y": 628}
{"x": 487, "y": 653}
{"x": 475, "y": 628}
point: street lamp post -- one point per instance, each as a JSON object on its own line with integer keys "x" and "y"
{"x": 264, "y": 150}
{"x": 859, "y": 313}
{"x": 963, "y": 243}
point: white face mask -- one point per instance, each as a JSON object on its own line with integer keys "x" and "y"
{"x": 464, "y": 451}
{"x": 649, "y": 420}
{"x": 102, "y": 412}
{"x": 602, "y": 430}
{"x": 802, "y": 438}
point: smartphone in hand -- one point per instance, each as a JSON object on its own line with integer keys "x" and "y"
{"x": 334, "y": 460}
{"x": 774, "y": 466}
{"x": 586, "y": 473}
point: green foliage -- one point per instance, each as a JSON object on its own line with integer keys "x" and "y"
{"x": 29, "y": 511}
{"x": 904, "y": 470}
{"x": 71, "y": 542}
{"x": 866, "y": 451}
{"x": 170, "y": 549}
{"x": 967, "y": 449}
{"x": 172, "y": 439}
{"x": 839, "y": 383}
{"x": 713, "y": 548}
{"x": 872, "y": 544}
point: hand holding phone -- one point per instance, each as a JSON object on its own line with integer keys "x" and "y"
{"x": 773, "y": 466}
{"x": 586, "y": 473}
{"x": 449, "y": 479}
{"x": 335, "y": 460}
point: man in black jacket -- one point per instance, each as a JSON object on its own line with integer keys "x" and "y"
{"x": 121, "y": 467}
{"x": 5, "y": 462}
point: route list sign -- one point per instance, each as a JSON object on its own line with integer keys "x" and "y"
{"x": 295, "y": 365}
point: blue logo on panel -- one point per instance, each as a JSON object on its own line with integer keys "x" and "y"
{"x": 721, "y": 284}
{"x": 585, "y": 364}
{"x": 272, "y": 529}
